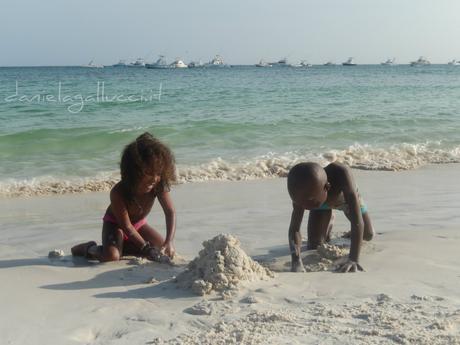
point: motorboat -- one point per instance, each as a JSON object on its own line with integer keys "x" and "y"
{"x": 217, "y": 61}
{"x": 91, "y": 64}
{"x": 454, "y": 63}
{"x": 420, "y": 62}
{"x": 159, "y": 64}
{"x": 178, "y": 64}
{"x": 389, "y": 62}
{"x": 138, "y": 63}
{"x": 195, "y": 64}
{"x": 330, "y": 63}
{"x": 120, "y": 63}
{"x": 281, "y": 63}
{"x": 262, "y": 63}
{"x": 349, "y": 62}
{"x": 304, "y": 63}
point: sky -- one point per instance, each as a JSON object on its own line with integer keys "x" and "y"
{"x": 56, "y": 32}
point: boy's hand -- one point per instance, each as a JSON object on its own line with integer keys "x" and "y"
{"x": 349, "y": 266}
{"x": 168, "y": 249}
{"x": 297, "y": 266}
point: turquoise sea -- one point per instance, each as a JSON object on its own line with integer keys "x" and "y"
{"x": 66, "y": 126}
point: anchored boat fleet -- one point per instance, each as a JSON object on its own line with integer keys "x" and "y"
{"x": 218, "y": 61}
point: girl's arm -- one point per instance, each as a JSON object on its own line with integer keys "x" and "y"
{"x": 120, "y": 211}
{"x": 170, "y": 217}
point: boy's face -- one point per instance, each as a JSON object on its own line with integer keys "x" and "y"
{"x": 310, "y": 197}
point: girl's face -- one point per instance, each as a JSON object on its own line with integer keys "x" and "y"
{"x": 148, "y": 181}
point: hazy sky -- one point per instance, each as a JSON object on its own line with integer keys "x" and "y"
{"x": 56, "y": 32}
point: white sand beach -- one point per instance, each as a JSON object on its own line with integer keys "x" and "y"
{"x": 409, "y": 293}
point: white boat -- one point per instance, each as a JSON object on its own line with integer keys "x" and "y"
{"x": 120, "y": 63}
{"x": 454, "y": 63}
{"x": 178, "y": 64}
{"x": 281, "y": 63}
{"x": 195, "y": 64}
{"x": 304, "y": 63}
{"x": 159, "y": 64}
{"x": 420, "y": 62}
{"x": 217, "y": 61}
{"x": 389, "y": 62}
{"x": 330, "y": 63}
{"x": 91, "y": 64}
{"x": 138, "y": 63}
{"x": 349, "y": 62}
{"x": 262, "y": 63}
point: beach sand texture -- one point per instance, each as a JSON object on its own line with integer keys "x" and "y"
{"x": 409, "y": 293}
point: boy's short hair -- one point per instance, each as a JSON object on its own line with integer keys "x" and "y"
{"x": 304, "y": 174}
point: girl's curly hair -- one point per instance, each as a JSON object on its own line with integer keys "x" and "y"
{"x": 146, "y": 153}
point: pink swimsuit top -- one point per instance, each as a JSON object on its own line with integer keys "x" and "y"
{"x": 108, "y": 218}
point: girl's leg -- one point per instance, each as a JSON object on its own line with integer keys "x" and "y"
{"x": 150, "y": 234}
{"x": 112, "y": 244}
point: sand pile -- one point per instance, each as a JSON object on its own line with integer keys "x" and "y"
{"x": 326, "y": 258}
{"x": 221, "y": 266}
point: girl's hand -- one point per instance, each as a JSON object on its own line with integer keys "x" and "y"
{"x": 168, "y": 249}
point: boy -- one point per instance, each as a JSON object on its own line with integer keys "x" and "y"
{"x": 320, "y": 190}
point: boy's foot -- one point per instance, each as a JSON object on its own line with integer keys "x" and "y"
{"x": 346, "y": 234}
{"x": 82, "y": 249}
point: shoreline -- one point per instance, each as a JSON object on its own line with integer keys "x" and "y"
{"x": 215, "y": 171}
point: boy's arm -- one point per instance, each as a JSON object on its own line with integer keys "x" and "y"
{"x": 295, "y": 238}
{"x": 120, "y": 212}
{"x": 356, "y": 220}
{"x": 170, "y": 218}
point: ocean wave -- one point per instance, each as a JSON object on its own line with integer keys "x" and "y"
{"x": 366, "y": 157}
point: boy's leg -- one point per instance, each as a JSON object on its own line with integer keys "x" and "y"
{"x": 319, "y": 227}
{"x": 368, "y": 232}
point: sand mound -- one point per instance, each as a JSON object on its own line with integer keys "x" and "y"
{"x": 56, "y": 254}
{"x": 221, "y": 266}
{"x": 325, "y": 259}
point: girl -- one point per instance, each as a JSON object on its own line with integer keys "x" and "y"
{"x": 147, "y": 172}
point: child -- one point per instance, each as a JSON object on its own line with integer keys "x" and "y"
{"x": 320, "y": 190}
{"x": 147, "y": 172}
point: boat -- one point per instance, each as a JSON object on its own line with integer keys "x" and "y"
{"x": 91, "y": 64}
{"x": 159, "y": 64}
{"x": 262, "y": 63}
{"x": 195, "y": 64}
{"x": 330, "y": 63}
{"x": 138, "y": 63}
{"x": 420, "y": 62}
{"x": 349, "y": 62}
{"x": 454, "y": 63}
{"x": 120, "y": 63}
{"x": 281, "y": 63}
{"x": 389, "y": 62}
{"x": 304, "y": 63}
{"x": 178, "y": 64}
{"x": 217, "y": 61}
